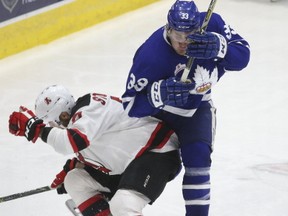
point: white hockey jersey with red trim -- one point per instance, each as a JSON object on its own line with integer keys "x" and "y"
{"x": 103, "y": 135}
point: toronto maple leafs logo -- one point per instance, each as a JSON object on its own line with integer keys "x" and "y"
{"x": 204, "y": 80}
{"x": 9, "y": 4}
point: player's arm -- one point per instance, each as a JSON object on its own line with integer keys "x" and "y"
{"x": 221, "y": 43}
{"x": 171, "y": 92}
{"x": 146, "y": 93}
{"x": 238, "y": 50}
{"x": 65, "y": 141}
{"x": 87, "y": 123}
{"x": 238, "y": 53}
{"x": 25, "y": 123}
{"x": 135, "y": 100}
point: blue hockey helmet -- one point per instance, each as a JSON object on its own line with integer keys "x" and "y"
{"x": 183, "y": 16}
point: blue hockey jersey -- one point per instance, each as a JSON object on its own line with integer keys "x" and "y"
{"x": 155, "y": 59}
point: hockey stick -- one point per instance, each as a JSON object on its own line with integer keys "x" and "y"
{"x": 26, "y": 193}
{"x": 203, "y": 28}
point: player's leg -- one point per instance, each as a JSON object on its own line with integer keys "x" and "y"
{"x": 87, "y": 193}
{"x": 143, "y": 181}
{"x": 196, "y": 149}
{"x": 196, "y": 179}
{"x": 128, "y": 203}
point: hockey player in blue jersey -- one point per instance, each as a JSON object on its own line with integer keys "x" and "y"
{"x": 153, "y": 88}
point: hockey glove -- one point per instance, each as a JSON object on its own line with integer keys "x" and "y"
{"x": 25, "y": 123}
{"x": 58, "y": 181}
{"x": 206, "y": 45}
{"x": 169, "y": 92}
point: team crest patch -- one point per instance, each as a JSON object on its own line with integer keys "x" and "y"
{"x": 47, "y": 100}
{"x": 203, "y": 88}
{"x": 204, "y": 80}
{"x": 9, "y": 4}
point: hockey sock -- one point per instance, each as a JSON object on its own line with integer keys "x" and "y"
{"x": 196, "y": 191}
{"x": 95, "y": 206}
{"x": 196, "y": 180}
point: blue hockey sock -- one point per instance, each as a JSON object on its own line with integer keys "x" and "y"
{"x": 196, "y": 191}
{"x": 196, "y": 180}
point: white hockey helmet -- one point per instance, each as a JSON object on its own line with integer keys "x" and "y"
{"x": 52, "y": 101}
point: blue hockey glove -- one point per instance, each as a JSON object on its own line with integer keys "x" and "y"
{"x": 169, "y": 92}
{"x": 206, "y": 45}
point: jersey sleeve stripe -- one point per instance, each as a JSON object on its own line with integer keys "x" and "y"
{"x": 78, "y": 140}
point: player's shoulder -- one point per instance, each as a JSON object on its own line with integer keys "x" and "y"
{"x": 91, "y": 100}
{"x": 216, "y": 22}
{"x": 149, "y": 51}
{"x": 81, "y": 102}
{"x": 214, "y": 16}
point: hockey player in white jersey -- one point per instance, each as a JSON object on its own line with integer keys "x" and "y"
{"x": 122, "y": 163}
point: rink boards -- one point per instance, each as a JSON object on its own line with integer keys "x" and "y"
{"x": 58, "y": 20}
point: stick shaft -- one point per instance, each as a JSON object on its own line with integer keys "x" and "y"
{"x": 203, "y": 28}
{"x": 24, "y": 194}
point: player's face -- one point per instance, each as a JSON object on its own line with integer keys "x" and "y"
{"x": 179, "y": 40}
{"x": 64, "y": 119}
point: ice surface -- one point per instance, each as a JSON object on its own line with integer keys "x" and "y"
{"x": 249, "y": 173}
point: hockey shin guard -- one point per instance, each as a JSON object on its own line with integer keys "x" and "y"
{"x": 95, "y": 206}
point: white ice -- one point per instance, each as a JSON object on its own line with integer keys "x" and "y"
{"x": 250, "y": 161}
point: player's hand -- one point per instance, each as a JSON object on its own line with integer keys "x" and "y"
{"x": 59, "y": 179}
{"x": 169, "y": 92}
{"x": 25, "y": 123}
{"x": 206, "y": 45}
